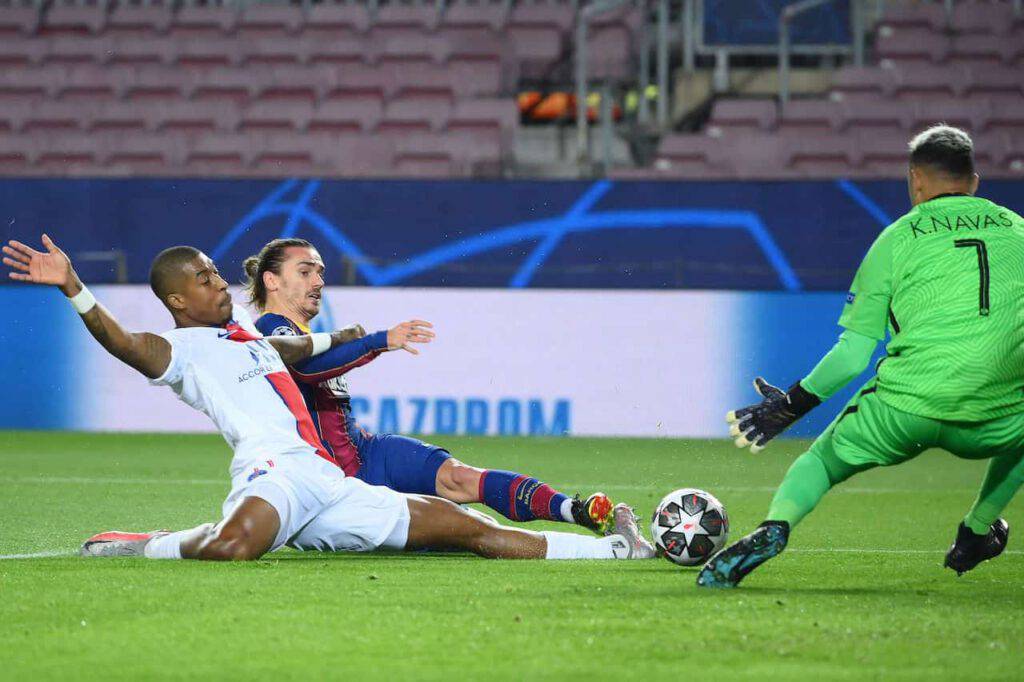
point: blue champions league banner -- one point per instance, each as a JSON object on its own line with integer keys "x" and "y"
{"x": 781, "y": 236}
{"x": 505, "y": 362}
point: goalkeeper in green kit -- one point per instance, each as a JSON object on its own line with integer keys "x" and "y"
{"x": 947, "y": 282}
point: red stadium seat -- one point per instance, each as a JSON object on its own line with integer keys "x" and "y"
{"x": 30, "y": 82}
{"x": 221, "y": 153}
{"x": 204, "y": 21}
{"x": 276, "y": 115}
{"x": 226, "y": 85}
{"x": 196, "y": 117}
{"x": 819, "y": 116}
{"x": 297, "y": 82}
{"x": 995, "y": 18}
{"x": 416, "y": 111}
{"x": 153, "y": 82}
{"x": 266, "y": 21}
{"x": 123, "y": 117}
{"x": 263, "y": 52}
{"x": 55, "y": 115}
{"x": 143, "y": 51}
{"x": 972, "y": 115}
{"x": 918, "y": 46}
{"x": 69, "y": 154}
{"x": 744, "y": 114}
{"x": 19, "y": 51}
{"x": 358, "y": 80}
{"x": 16, "y": 21}
{"x": 64, "y": 19}
{"x": 138, "y": 20}
{"x": 339, "y": 51}
{"x": 922, "y": 15}
{"x": 487, "y": 16}
{"x": 210, "y": 52}
{"x": 1006, "y": 83}
{"x": 72, "y": 49}
{"x": 610, "y": 44}
{"x": 928, "y": 81}
{"x": 864, "y": 81}
{"x": 398, "y": 21}
{"x": 420, "y": 49}
{"x": 348, "y": 115}
{"x": 144, "y": 154}
{"x": 818, "y": 155}
{"x": 337, "y": 21}
{"x": 694, "y": 153}
{"x": 983, "y": 51}
{"x": 486, "y": 117}
{"x": 881, "y": 115}
{"x": 1006, "y": 117}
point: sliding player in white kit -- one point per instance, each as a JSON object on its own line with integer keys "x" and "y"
{"x": 286, "y": 488}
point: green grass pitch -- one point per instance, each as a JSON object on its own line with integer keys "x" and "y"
{"x": 860, "y": 594}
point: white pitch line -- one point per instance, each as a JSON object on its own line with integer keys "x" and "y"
{"x": 85, "y": 480}
{"x": 772, "y": 489}
{"x": 36, "y": 555}
{"x": 860, "y": 550}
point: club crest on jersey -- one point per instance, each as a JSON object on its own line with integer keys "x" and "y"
{"x": 850, "y": 296}
{"x": 257, "y": 472}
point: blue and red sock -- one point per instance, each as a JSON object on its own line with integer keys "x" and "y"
{"x": 521, "y": 498}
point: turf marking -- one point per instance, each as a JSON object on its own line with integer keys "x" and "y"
{"x": 37, "y": 555}
{"x": 116, "y": 481}
{"x": 772, "y": 489}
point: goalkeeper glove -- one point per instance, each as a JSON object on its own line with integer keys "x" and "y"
{"x": 755, "y": 425}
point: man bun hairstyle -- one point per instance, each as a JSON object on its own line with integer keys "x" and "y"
{"x": 269, "y": 259}
{"x": 945, "y": 149}
{"x": 166, "y": 269}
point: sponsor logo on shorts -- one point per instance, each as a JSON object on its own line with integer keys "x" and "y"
{"x": 256, "y": 473}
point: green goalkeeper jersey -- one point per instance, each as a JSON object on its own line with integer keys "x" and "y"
{"x": 947, "y": 281}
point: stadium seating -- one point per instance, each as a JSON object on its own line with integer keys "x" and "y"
{"x": 196, "y": 86}
{"x": 966, "y": 69}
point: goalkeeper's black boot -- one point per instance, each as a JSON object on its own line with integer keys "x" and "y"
{"x": 970, "y": 549}
{"x": 732, "y": 564}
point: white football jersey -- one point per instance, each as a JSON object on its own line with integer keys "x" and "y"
{"x": 244, "y": 387}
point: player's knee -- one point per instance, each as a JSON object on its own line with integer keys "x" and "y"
{"x": 458, "y": 479}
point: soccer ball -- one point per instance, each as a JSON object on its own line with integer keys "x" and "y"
{"x": 689, "y": 526}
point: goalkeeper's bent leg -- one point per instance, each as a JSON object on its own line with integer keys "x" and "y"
{"x": 810, "y": 476}
{"x": 1003, "y": 479}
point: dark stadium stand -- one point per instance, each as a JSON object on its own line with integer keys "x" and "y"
{"x": 965, "y": 70}
{"x": 162, "y": 90}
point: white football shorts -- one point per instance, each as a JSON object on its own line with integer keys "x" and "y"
{"x": 320, "y": 508}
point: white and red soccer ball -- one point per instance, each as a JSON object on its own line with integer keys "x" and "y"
{"x": 689, "y": 526}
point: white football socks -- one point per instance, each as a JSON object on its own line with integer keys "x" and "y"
{"x": 165, "y": 546}
{"x": 566, "y": 511}
{"x": 574, "y": 546}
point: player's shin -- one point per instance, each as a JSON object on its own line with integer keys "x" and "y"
{"x": 804, "y": 485}
{"x": 1003, "y": 479}
{"x": 520, "y": 498}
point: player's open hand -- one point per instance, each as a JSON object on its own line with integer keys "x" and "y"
{"x": 755, "y": 425}
{"x": 51, "y": 267}
{"x": 402, "y": 336}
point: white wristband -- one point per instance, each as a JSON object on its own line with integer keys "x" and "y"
{"x": 321, "y": 342}
{"x": 83, "y": 301}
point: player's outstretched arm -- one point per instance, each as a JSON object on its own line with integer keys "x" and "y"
{"x": 148, "y": 353}
{"x": 295, "y": 349}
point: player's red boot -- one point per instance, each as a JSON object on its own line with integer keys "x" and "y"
{"x": 118, "y": 543}
{"x": 594, "y": 513}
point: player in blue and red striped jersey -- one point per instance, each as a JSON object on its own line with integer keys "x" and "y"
{"x": 284, "y": 282}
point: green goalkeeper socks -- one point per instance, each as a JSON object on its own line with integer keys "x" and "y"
{"x": 1002, "y": 481}
{"x": 805, "y": 484}
{"x": 809, "y": 477}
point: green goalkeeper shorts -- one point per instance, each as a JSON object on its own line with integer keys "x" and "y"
{"x": 870, "y": 433}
